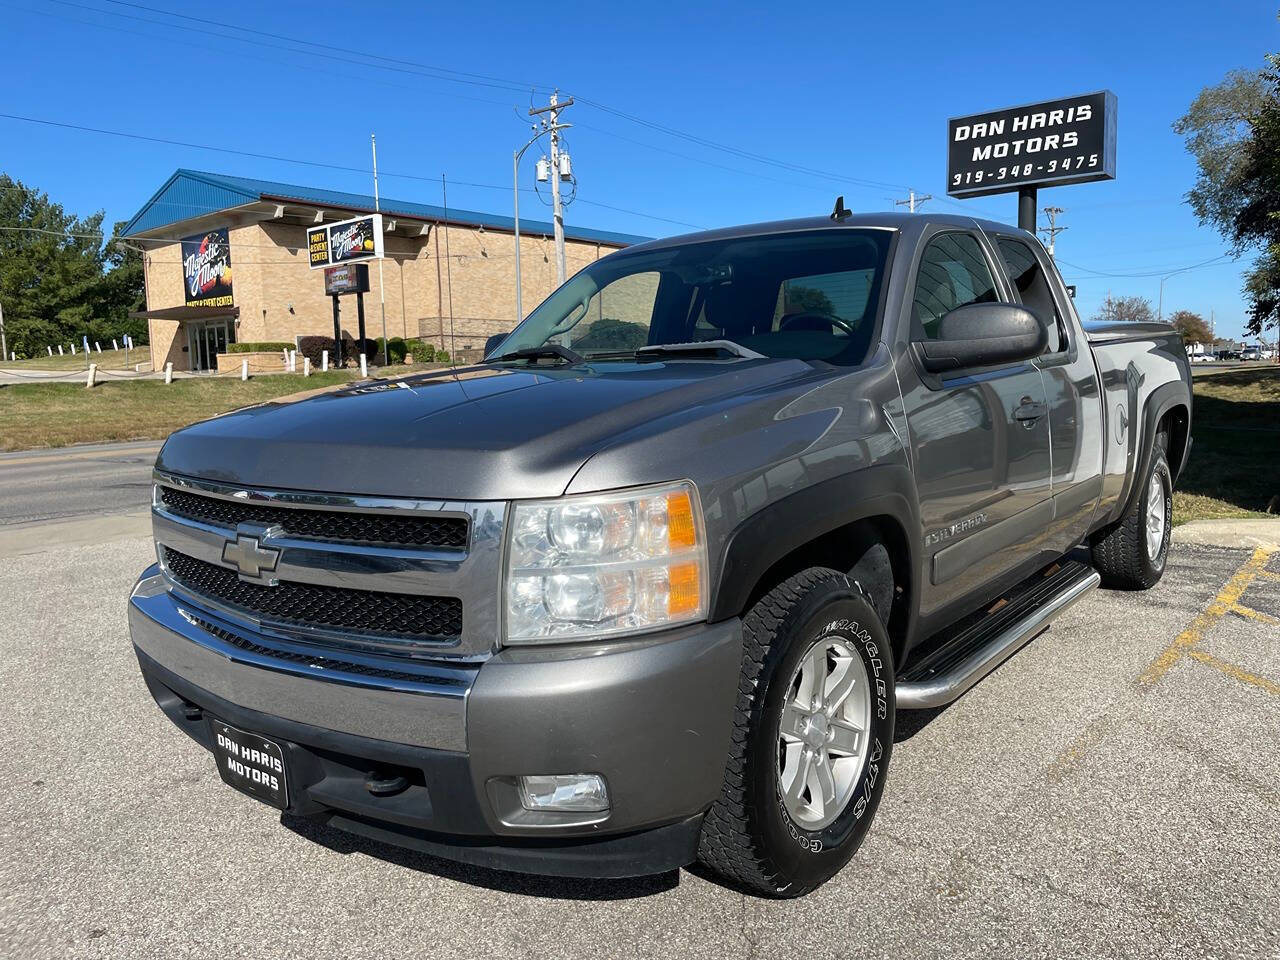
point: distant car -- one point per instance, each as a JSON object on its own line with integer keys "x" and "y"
{"x": 1253, "y": 353}
{"x": 1203, "y": 358}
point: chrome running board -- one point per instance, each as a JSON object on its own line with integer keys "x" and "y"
{"x": 981, "y": 643}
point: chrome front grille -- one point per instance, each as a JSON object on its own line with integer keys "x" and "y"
{"x": 406, "y": 616}
{"x": 394, "y": 577}
{"x": 368, "y": 529}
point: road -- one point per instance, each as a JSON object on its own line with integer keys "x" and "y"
{"x": 80, "y": 481}
{"x": 1111, "y": 791}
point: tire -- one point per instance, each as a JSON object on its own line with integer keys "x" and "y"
{"x": 1121, "y": 553}
{"x": 750, "y": 836}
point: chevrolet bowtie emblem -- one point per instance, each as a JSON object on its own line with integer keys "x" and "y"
{"x": 247, "y": 554}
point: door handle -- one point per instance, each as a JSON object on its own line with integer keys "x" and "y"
{"x": 1029, "y": 409}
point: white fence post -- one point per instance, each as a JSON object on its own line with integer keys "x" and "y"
{"x": 59, "y": 350}
{"x": 114, "y": 345}
{"x": 73, "y": 349}
{"x": 50, "y": 351}
{"x": 93, "y": 375}
{"x": 306, "y": 366}
{"x": 324, "y": 360}
{"x": 364, "y": 366}
{"x": 168, "y": 372}
{"x": 244, "y": 369}
{"x": 98, "y": 345}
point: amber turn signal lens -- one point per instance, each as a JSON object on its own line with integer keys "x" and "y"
{"x": 681, "y": 533}
{"x": 684, "y": 593}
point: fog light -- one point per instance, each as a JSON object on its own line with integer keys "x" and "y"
{"x": 577, "y": 792}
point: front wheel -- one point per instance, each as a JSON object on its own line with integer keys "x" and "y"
{"x": 813, "y": 733}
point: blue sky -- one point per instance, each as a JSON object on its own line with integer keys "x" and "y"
{"x": 856, "y": 90}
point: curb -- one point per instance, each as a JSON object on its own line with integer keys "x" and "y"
{"x": 20, "y": 540}
{"x": 1230, "y": 533}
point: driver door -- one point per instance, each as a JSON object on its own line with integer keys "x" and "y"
{"x": 979, "y": 437}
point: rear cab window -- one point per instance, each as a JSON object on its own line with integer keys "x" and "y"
{"x": 1033, "y": 288}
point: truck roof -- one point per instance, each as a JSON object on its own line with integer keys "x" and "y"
{"x": 883, "y": 221}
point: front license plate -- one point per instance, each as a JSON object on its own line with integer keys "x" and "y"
{"x": 250, "y": 763}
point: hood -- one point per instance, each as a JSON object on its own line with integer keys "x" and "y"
{"x": 482, "y": 433}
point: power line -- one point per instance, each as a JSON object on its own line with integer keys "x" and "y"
{"x": 1147, "y": 272}
{"x": 309, "y": 163}
{"x": 433, "y": 71}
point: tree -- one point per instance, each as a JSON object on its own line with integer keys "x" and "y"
{"x": 57, "y": 282}
{"x": 808, "y": 300}
{"x": 1191, "y": 327}
{"x": 1233, "y": 130}
{"x": 1125, "y": 310}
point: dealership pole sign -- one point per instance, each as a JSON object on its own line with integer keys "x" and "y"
{"x": 206, "y": 269}
{"x": 1057, "y": 142}
{"x": 350, "y": 241}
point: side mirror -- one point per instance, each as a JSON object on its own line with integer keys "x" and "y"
{"x": 491, "y": 342}
{"x": 983, "y": 335}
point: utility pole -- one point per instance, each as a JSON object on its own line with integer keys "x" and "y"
{"x": 1053, "y": 229}
{"x": 554, "y": 126}
{"x": 4, "y": 347}
{"x": 912, "y": 200}
{"x": 382, "y": 290}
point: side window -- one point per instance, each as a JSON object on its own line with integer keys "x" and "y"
{"x": 618, "y": 315}
{"x": 1033, "y": 287}
{"x": 953, "y": 272}
{"x": 844, "y": 295}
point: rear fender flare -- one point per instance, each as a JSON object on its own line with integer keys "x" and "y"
{"x": 1163, "y": 399}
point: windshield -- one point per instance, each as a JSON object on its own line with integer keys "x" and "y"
{"x": 808, "y": 296}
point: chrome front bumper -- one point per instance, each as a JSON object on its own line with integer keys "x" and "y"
{"x": 422, "y": 704}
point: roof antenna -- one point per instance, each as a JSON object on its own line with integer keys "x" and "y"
{"x": 840, "y": 213}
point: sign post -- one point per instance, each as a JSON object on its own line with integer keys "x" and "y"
{"x": 1054, "y": 143}
{"x": 340, "y": 281}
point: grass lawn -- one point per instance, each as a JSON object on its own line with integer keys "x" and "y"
{"x": 57, "y": 414}
{"x": 107, "y": 360}
{"x": 1234, "y": 470}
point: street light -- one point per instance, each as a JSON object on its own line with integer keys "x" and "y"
{"x": 1160, "y": 308}
{"x": 515, "y": 203}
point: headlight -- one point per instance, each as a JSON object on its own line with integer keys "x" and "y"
{"x": 605, "y": 564}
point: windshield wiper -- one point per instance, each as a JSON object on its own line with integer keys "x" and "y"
{"x": 709, "y": 349}
{"x": 548, "y": 351}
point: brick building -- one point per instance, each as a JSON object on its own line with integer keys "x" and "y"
{"x": 450, "y": 280}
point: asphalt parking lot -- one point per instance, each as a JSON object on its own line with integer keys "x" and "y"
{"x": 1113, "y": 790}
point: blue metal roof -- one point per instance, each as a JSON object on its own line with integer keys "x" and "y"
{"x": 193, "y": 193}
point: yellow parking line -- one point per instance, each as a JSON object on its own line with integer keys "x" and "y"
{"x": 1231, "y": 670}
{"x": 1251, "y": 614}
{"x": 1227, "y": 599}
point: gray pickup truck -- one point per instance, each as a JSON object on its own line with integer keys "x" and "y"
{"x": 649, "y": 584}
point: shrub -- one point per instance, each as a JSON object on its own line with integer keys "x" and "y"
{"x": 441, "y": 357}
{"x": 421, "y": 350}
{"x": 395, "y": 347}
{"x": 313, "y": 347}
{"x": 261, "y": 346}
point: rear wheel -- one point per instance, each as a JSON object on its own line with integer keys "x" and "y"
{"x": 1131, "y": 554}
{"x": 812, "y": 737}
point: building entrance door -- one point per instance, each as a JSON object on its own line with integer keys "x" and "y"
{"x": 205, "y": 340}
